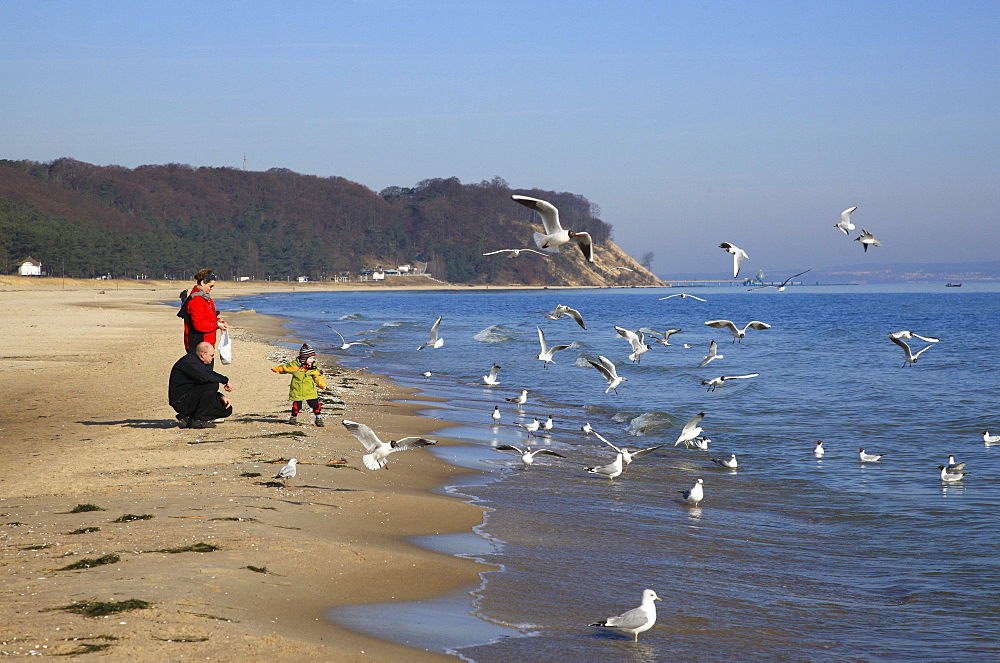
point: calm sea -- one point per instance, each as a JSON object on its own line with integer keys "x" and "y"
{"x": 789, "y": 557}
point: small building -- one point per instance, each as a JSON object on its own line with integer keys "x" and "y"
{"x": 30, "y": 267}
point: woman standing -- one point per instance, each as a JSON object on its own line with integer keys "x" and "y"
{"x": 201, "y": 320}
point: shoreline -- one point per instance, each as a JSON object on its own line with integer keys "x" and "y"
{"x": 97, "y": 430}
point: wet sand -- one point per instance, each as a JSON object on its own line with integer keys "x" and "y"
{"x": 84, "y": 420}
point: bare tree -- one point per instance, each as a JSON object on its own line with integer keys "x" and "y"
{"x": 647, "y": 260}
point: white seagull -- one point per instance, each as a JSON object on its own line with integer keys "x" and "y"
{"x": 378, "y": 449}
{"x": 343, "y": 341}
{"x": 496, "y": 414}
{"x": 434, "y": 341}
{"x": 701, "y": 442}
{"x": 950, "y": 476}
{"x": 664, "y": 338}
{"x": 629, "y": 456}
{"x": 739, "y": 255}
{"x": 554, "y": 235}
{"x": 637, "y": 341}
{"x": 713, "y": 353}
{"x": 287, "y": 472}
{"x": 611, "y": 470}
{"x": 637, "y": 620}
{"x": 908, "y": 356}
{"x": 867, "y": 239}
{"x": 563, "y": 310}
{"x": 737, "y": 333}
{"x": 728, "y": 463}
{"x": 526, "y": 454}
{"x": 587, "y": 428}
{"x": 627, "y": 269}
{"x": 548, "y": 424}
{"x": 491, "y": 378}
{"x": 609, "y": 371}
{"x": 909, "y": 336}
{"x": 531, "y": 426}
{"x": 781, "y": 288}
{"x": 868, "y": 458}
{"x": 715, "y": 382}
{"x": 953, "y": 466}
{"x": 695, "y": 493}
{"x": 518, "y": 400}
{"x": 990, "y": 439}
{"x": 545, "y": 356}
{"x": 682, "y": 295}
{"x": 515, "y": 252}
{"x": 845, "y": 224}
{"x": 690, "y": 431}
{"x": 818, "y": 450}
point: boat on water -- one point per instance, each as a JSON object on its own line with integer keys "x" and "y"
{"x": 953, "y": 285}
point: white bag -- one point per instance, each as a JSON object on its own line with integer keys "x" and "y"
{"x": 225, "y": 348}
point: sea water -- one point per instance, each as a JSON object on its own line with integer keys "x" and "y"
{"x": 789, "y": 557}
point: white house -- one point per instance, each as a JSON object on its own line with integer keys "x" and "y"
{"x": 30, "y": 267}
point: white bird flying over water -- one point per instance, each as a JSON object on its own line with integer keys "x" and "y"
{"x": 526, "y": 454}
{"x": 739, "y": 255}
{"x": 867, "y": 457}
{"x": 491, "y": 377}
{"x": 690, "y": 431}
{"x": 781, "y": 288}
{"x": 434, "y": 341}
{"x": 554, "y": 235}
{"x": 515, "y": 252}
{"x": 664, "y": 338}
{"x": 609, "y": 371}
{"x": 637, "y": 620}
{"x": 343, "y": 342}
{"x": 611, "y": 470}
{"x": 730, "y": 463}
{"x": 682, "y": 295}
{"x": 909, "y": 336}
{"x": 287, "y": 472}
{"x": 518, "y": 400}
{"x": 713, "y": 353}
{"x": 737, "y": 333}
{"x": 908, "y": 356}
{"x": 715, "y": 382}
{"x": 563, "y": 310}
{"x": 627, "y": 455}
{"x": 638, "y": 343}
{"x": 545, "y": 356}
{"x": 378, "y": 449}
{"x": 695, "y": 493}
{"x": 845, "y": 224}
{"x": 867, "y": 239}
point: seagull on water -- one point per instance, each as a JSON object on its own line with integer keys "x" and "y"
{"x": 637, "y": 620}
{"x": 531, "y": 426}
{"x": 518, "y": 400}
{"x": 343, "y": 341}
{"x": 515, "y": 252}
{"x": 548, "y": 424}
{"x": 729, "y": 463}
{"x": 491, "y": 378}
{"x": 737, "y": 332}
{"x": 545, "y": 356}
{"x": 868, "y": 458}
{"x": 555, "y": 235}
{"x": 629, "y": 456}
{"x": 563, "y": 310}
{"x": 587, "y": 428}
{"x": 637, "y": 341}
{"x": 527, "y": 455}
{"x": 950, "y": 476}
{"x": 378, "y": 449}
{"x": 990, "y": 439}
{"x": 701, "y": 442}
{"x": 954, "y": 467}
{"x": 909, "y": 336}
{"x": 781, "y": 288}
{"x": 664, "y": 338}
{"x": 434, "y": 341}
{"x": 739, "y": 255}
{"x": 611, "y": 470}
{"x": 287, "y": 472}
{"x": 845, "y": 224}
{"x": 715, "y": 382}
{"x": 713, "y": 353}
{"x": 695, "y": 493}
{"x": 682, "y": 295}
{"x": 609, "y": 371}
{"x": 908, "y": 356}
{"x": 867, "y": 239}
{"x": 496, "y": 414}
{"x": 818, "y": 450}
{"x": 690, "y": 431}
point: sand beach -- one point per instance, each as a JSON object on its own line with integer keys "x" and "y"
{"x": 230, "y": 565}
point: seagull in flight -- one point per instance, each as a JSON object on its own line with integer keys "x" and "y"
{"x": 515, "y": 252}
{"x": 690, "y": 431}
{"x": 737, "y": 333}
{"x": 845, "y": 221}
{"x": 664, "y": 338}
{"x": 555, "y": 235}
{"x": 909, "y": 336}
{"x": 739, "y": 255}
{"x": 868, "y": 458}
{"x": 715, "y": 382}
{"x": 518, "y": 400}
{"x": 344, "y": 344}
{"x": 866, "y": 239}
{"x": 908, "y": 356}
{"x": 611, "y": 470}
{"x": 729, "y": 463}
{"x": 682, "y": 295}
{"x": 287, "y": 472}
{"x": 713, "y": 353}
{"x": 695, "y": 493}
{"x": 627, "y": 269}
{"x": 638, "y": 343}
{"x": 609, "y": 371}
{"x": 629, "y": 456}
{"x": 545, "y": 356}
{"x": 562, "y": 310}
{"x": 781, "y": 288}
{"x": 491, "y": 378}
{"x": 434, "y": 341}
{"x": 526, "y": 454}
{"x": 637, "y": 620}
{"x": 378, "y": 450}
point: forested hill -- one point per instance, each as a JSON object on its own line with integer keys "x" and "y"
{"x": 170, "y": 221}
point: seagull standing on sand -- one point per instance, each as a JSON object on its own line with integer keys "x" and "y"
{"x": 496, "y": 414}
{"x": 690, "y": 431}
{"x": 868, "y": 458}
{"x": 638, "y": 343}
{"x": 611, "y": 470}
{"x": 545, "y": 356}
{"x": 908, "y": 356}
{"x": 739, "y": 255}
{"x": 434, "y": 341}
{"x": 737, "y": 333}
{"x": 609, "y": 371}
{"x": 682, "y": 295}
{"x": 695, "y": 493}
{"x": 818, "y": 450}
{"x": 287, "y": 472}
{"x": 781, "y": 288}
{"x": 491, "y": 378}
{"x": 713, "y": 353}
{"x": 715, "y": 382}
{"x": 378, "y": 449}
{"x": 845, "y": 224}
{"x": 343, "y": 342}
{"x": 729, "y": 463}
{"x": 950, "y": 476}
{"x": 629, "y": 456}
{"x": 554, "y": 235}
{"x": 867, "y": 239}
{"x": 664, "y": 338}
{"x": 637, "y": 620}
{"x": 527, "y": 455}
{"x": 515, "y": 252}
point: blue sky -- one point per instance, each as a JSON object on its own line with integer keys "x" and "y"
{"x": 687, "y": 123}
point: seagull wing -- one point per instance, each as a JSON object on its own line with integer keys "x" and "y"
{"x": 609, "y": 375}
{"x": 928, "y": 339}
{"x": 541, "y": 341}
{"x": 903, "y": 344}
{"x": 601, "y": 438}
{"x": 586, "y": 244}
{"x": 548, "y": 211}
{"x": 756, "y": 324}
{"x": 493, "y": 253}
{"x": 722, "y": 324}
{"x": 408, "y": 443}
{"x": 546, "y": 452}
{"x": 342, "y": 339}
{"x": 690, "y": 426}
{"x": 740, "y": 377}
{"x": 365, "y": 435}
{"x": 785, "y": 282}
{"x": 506, "y": 448}
{"x": 494, "y": 371}
{"x": 630, "y": 336}
{"x": 648, "y": 450}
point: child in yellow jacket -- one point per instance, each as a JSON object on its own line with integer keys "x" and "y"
{"x": 305, "y": 380}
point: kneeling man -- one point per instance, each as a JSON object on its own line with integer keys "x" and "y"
{"x": 194, "y": 389}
